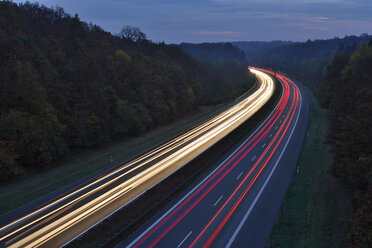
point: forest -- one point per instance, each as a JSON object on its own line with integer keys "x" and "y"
{"x": 347, "y": 94}
{"x": 67, "y": 85}
{"x": 253, "y": 49}
{"x": 216, "y": 53}
{"x": 338, "y": 71}
{"x": 305, "y": 61}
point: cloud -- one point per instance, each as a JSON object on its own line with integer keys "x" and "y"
{"x": 324, "y": 18}
{"x": 215, "y": 20}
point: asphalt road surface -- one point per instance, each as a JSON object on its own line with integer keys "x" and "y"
{"x": 236, "y": 205}
{"x": 55, "y": 220}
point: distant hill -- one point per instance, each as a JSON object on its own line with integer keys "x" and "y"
{"x": 314, "y": 49}
{"x": 214, "y": 53}
{"x": 307, "y": 61}
{"x": 254, "y": 48}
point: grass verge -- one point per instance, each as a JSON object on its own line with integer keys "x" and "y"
{"x": 119, "y": 226}
{"x": 23, "y": 192}
{"x": 123, "y": 223}
{"x": 317, "y": 205}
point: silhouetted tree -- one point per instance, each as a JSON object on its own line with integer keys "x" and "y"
{"x": 132, "y": 33}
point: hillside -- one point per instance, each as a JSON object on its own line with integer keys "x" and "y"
{"x": 66, "y": 85}
{"x": 214, "y": 53}
{"x": 253, "y": 49}
{"x": 307, "y": 61}
{"x": 347, "y": 94}
{"x": 329, "y": 201}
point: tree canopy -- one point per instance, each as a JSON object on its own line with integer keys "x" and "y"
{"x": 347, "y": 94}
{"x": 132, "y": 33}
{"x": 66, "y": 85}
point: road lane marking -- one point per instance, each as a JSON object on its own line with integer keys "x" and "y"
{"x": 263, "y": 145}
{"x": 205, "y": 179}
{"x": 241, "y": 173}
{"x": 237, "y": 230}
{"x": 276, "y": 128}
{"x": 91, "y": 191}
{"x": 220, "y": 226}
{"x": 271, "y": 135}
{"x": 254, "y": 157}
{"x": 219, "y": 199}
{"x": 184, "y": 239}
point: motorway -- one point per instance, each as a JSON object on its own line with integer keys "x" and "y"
{"x": 237, "y": 203}
{"x": 61, "y": 218}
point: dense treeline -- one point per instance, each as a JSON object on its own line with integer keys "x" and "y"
{"x": 348, "y": 96}
{"x": 307, "y": 61}
{"x": 216, "y": 53}
{"x": 339, "y": 72}
{"x": 254, "y": 49}
{"x": 226, "y": 62}
{"x": 67, "y": 85}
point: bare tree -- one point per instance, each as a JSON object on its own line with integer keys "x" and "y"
{"x": 132, "y": 33}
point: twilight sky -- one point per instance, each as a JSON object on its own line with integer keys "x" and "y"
{"x": 175, "y": 21}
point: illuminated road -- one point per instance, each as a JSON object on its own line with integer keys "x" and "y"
{"x": 59, "y": 220}
{"x": 236, "y": 204}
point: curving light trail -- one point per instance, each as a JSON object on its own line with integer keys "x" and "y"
{"x": 69, "y": 214}
{"x": 195, "y": 203}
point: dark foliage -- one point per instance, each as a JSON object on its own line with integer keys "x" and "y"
{"x": 348, "y": 96}
{"x": 254, "y": 49}
{"x": 216, "y": 53}
{"x": 227, "y": 65}
{"x": 307, "y": 61}
{"x": 67, "y": 85}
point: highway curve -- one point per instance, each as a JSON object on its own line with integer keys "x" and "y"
{"x": 237, "y": 204}
{"x": 54, "y": 222}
